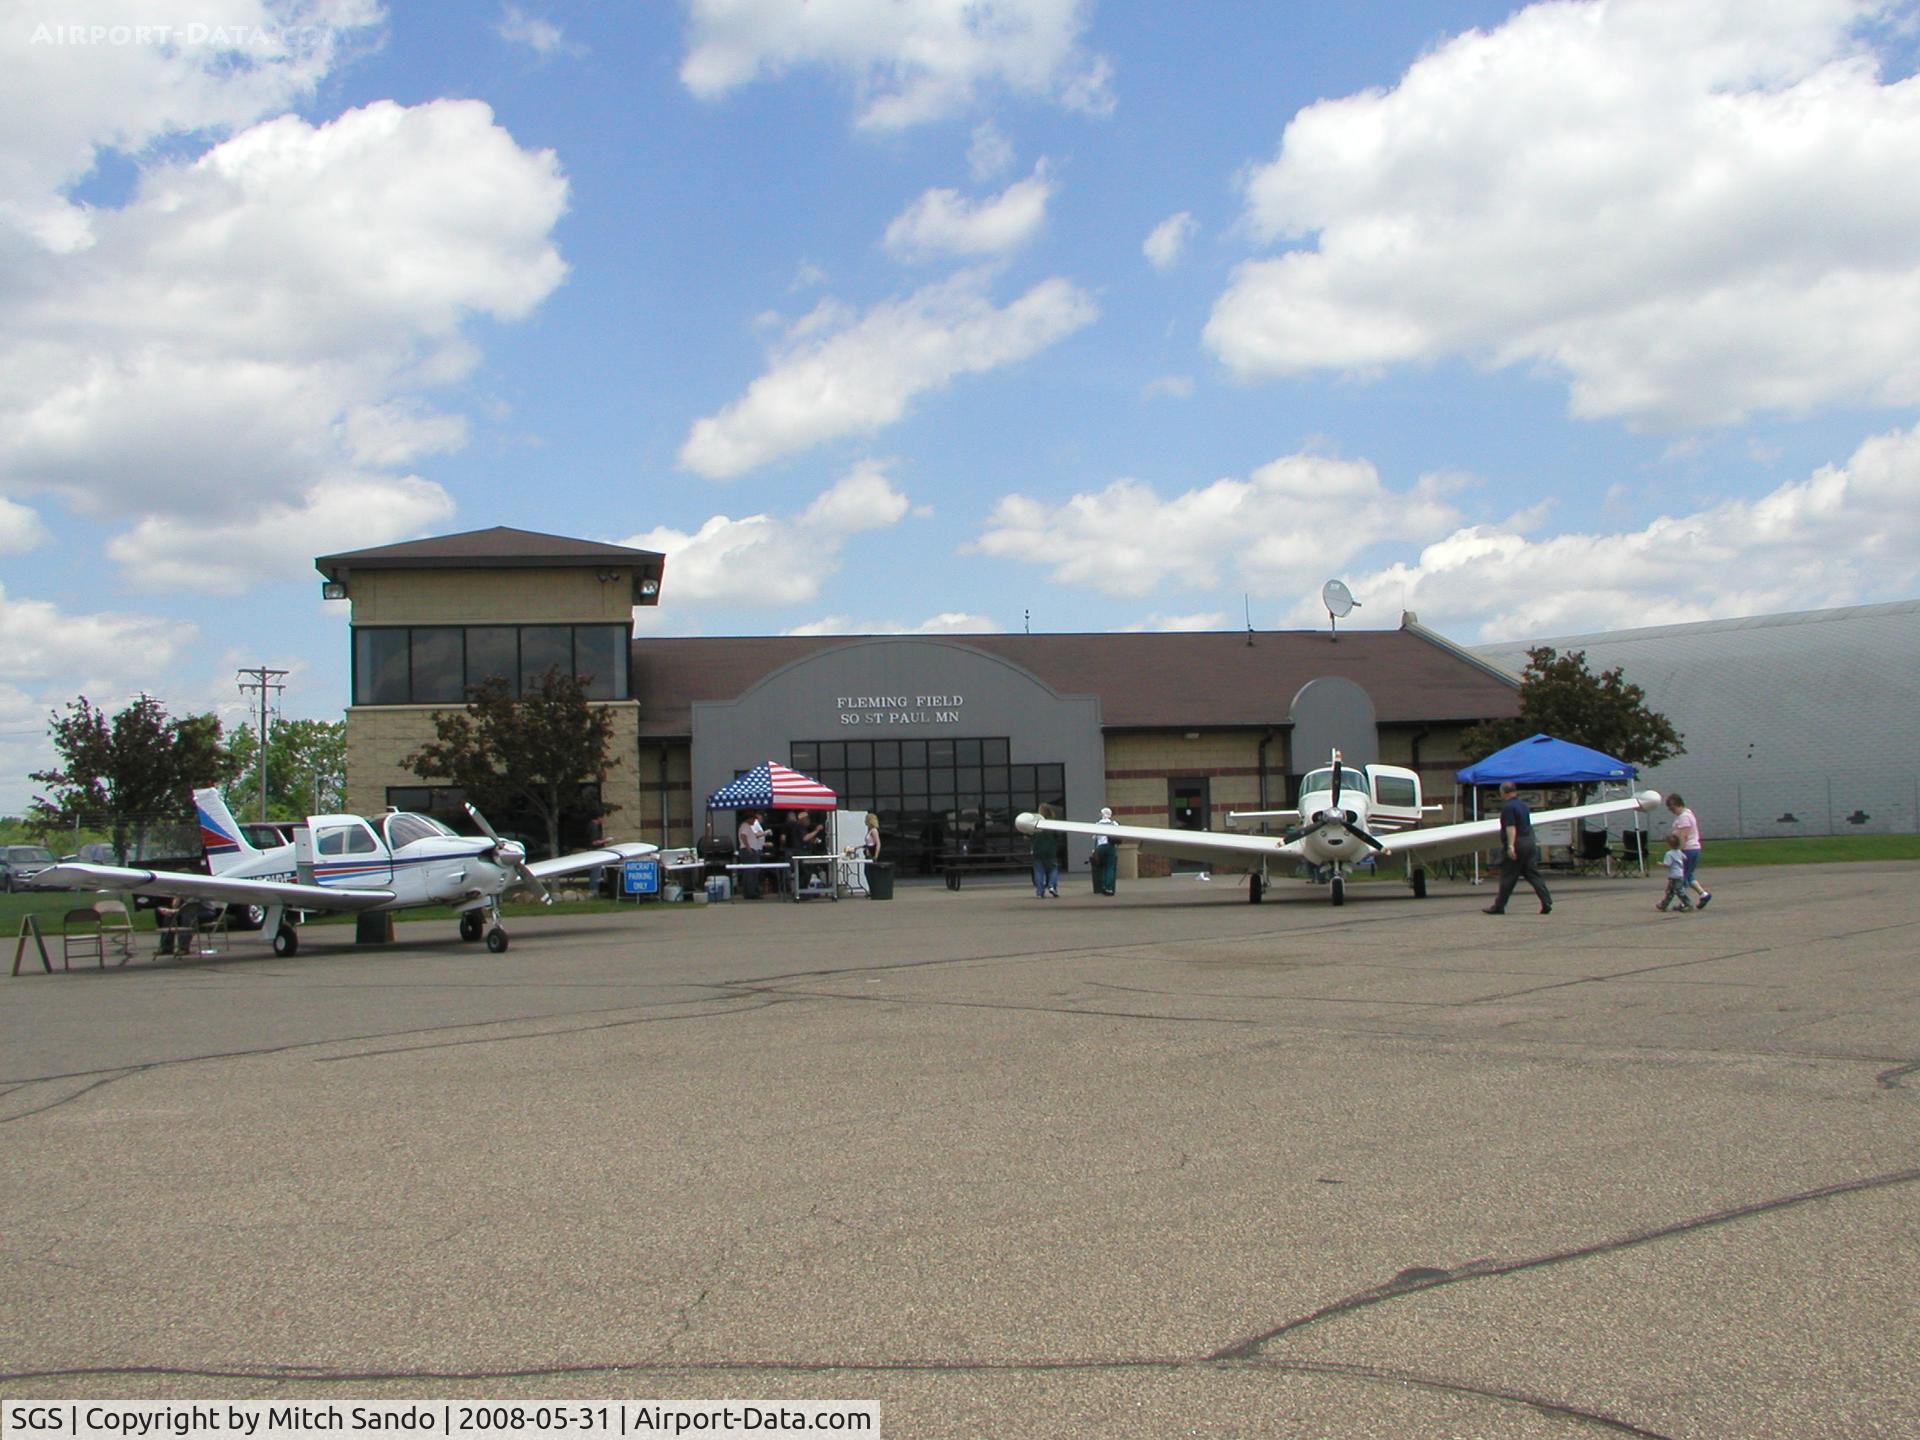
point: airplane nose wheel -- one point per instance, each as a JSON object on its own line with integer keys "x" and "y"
{"x": 1339, "y": 891}
{"x": 496, "y": 940}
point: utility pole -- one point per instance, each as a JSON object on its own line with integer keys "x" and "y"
{"x": 264, "y": 680}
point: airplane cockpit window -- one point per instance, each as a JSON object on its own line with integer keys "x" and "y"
{"x": 1352, "y": 782}
{"x": 404, "y": 829}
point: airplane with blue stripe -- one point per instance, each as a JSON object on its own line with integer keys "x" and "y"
{"x": 352, "y": 864}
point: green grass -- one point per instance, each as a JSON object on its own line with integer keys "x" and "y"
{"x": 50, "y": 908}
{"x": 1810, "y": 850}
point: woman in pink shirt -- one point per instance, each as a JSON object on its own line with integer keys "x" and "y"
{"x": 1686, "y": 839}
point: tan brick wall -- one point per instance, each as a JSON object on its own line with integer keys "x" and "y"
{"x": 380, "y": 737}
{"x": 487, "y": 597}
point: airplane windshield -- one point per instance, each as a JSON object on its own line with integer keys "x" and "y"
{"x": 404, "y": 829}
{"x": 1319, "y": 782}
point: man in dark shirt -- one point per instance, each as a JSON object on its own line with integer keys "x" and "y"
{"x": 1519, "y": 855}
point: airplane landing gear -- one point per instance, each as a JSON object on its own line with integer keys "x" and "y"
{"x": 1256, "y": 888}
{"x": 1420, "y": 884}
{"x": 1339, "y": 889}
{"x": 286, "y": 941}
{"x": 472, "y": 926}
{"x": 496, "y": 940}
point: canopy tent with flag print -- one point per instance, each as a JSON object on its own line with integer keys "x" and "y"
{"x": 772, "y": 786}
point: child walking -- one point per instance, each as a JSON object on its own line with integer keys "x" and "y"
{"x": 1676, "y": 867}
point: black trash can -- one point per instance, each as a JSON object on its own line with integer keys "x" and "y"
{"x": 880, "y": 880}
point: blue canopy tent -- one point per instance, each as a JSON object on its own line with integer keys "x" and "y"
{"x": 1543, "y": 760}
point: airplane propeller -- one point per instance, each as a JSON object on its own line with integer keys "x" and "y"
{"x": 508, "y": 852}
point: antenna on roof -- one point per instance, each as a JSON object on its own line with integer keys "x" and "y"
{"x": 1339, "y": 601}
{"x": 1026, "y": 619}
{"x": 1247, "y": 600}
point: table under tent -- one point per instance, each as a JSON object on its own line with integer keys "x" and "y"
{"x": 1543, "y": 760}
{"x": 771, "y": 786}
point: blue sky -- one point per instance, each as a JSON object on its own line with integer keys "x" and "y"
{"x": 939, "y": 316}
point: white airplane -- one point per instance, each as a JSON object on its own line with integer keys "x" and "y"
{"x": 351, "y": 863}
{"x": 1345, "y": 815}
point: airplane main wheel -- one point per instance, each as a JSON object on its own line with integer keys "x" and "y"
{"x": 472, "y": 926}
{"x": 286, "y": 941}
{"x": 1256, "y": 890}
{"x": 1339, "y": 891}
{"x": 496, "y": 940}
{"x": 1419, "y": 884}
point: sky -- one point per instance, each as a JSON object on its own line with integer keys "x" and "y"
{"x": 947, "y": 316}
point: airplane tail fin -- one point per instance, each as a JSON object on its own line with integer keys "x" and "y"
{"x": 226, "y": 844}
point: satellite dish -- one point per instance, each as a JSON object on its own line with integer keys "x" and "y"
{"x": 1339, "y": 601}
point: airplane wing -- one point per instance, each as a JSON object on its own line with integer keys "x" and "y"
{"x": 587, "y": 859}
{"x": 228, "y": 889}
{"x": 1197, "y": 844}
{"x": 1437, "y": 841}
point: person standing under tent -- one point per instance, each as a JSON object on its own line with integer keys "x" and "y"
{"x": 752, "y": 846}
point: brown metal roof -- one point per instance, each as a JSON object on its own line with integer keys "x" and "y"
{"x": 500, "y": 548}
{"x": 1184, "y": 680}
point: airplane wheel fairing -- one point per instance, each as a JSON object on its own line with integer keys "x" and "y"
{"x": 472, "y": 926}
{"x": 286, "y": 941}
{"x": 1419, "y": 884}
{"x": 1339, "y": 891}
{"x": 496, "y": 940}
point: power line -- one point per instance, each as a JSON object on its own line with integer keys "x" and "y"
{"x": 264, "y": 680}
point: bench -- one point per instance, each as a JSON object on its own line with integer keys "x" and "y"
{"x": 957, "y": 865}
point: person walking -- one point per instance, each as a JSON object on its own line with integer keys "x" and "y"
{"x": 1046, "y": 860}
{"x": 1675, "y": 864}
{"x": 1519, "y": 854}
{"x": 1106, "y": 858}
{"x": 1686, "y": 839}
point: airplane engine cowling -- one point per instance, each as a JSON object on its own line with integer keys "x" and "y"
{"x": 449, "y": 885}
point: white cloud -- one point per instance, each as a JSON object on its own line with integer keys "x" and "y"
{"x": 908, "y": 63}
{"x": 44, "y": 647}
{"x": 949, "y": 622}
{"x": 942, "y": 222}
{"x": 120, "y": 74}
{"x": 270, "y": 317}
{"x": 839, "y": 375}
{"x": 539, "y": 35}
{"x": 1174, "y": 387}
{"x": 1694, "y": 212}
{"x": 766, "y": 561}
{"x": 167, "y": 553}
{"x": 989, "y": 153}
{"x": 1199, "y": 620}
{"x": 1737, "y": 557}
{"x": 1168, "y": 240}
{"x": 20, "y": 529}
{"x": 1300, "y": 513}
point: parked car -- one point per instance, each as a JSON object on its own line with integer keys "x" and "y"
{"x": 20, "y": 863}
{"x": 98, "y": 853}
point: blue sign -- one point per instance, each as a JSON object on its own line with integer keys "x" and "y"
{"x": 640, "y": 877}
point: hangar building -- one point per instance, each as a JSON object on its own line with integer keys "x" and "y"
{"x": 945, "y": 737}
{"x": 1797, "y": 724}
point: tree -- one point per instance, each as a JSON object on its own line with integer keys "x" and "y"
{"x": 539, "y": 751}
{"x": 306, "y": 769}
{"x": 1560, "y": 697}
{"x": 128, "y": 773}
